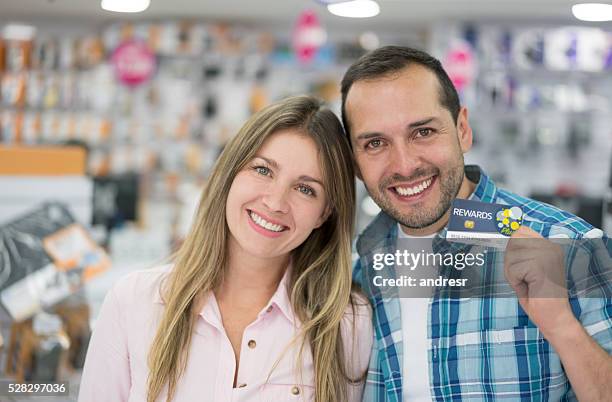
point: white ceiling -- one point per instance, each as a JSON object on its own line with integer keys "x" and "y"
{"x": 395, "y": 14}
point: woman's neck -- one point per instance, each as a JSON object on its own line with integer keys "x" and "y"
{"x": 250, "y": 280}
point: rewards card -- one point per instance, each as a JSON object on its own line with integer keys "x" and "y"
{"x": 483, "y": 224}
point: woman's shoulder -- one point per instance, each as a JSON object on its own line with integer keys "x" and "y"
{"x": 357, "y": 334}
{"x": 141, "y": 285}
{"x": 358, "y": 315}
{"x": 359, "y": 308}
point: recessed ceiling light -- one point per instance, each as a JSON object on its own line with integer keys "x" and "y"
{"x": 355, "y": 9}
{"x": 125, "y": 6}
{"x": 592, "y": 11}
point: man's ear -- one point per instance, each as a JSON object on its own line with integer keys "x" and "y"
{"x": 464, "y": 131}
{"x": 324, "y": 216}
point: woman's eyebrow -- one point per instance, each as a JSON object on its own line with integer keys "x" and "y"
{"x": 274, "y": 164}
{"x": 308, "y": 178}
{"x": 270, "y": 162}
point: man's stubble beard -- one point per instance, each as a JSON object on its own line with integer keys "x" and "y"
{"x": 420, "y": 218}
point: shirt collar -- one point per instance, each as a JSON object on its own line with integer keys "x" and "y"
{"x": 486, "y": 190}
{"x": 281, "y": 299}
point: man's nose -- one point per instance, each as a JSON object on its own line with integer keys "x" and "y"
{"x": 275, "y": 199}
{"x": 403, "y": 160}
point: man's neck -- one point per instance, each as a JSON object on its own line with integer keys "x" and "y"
{"x": 465, "y": 191}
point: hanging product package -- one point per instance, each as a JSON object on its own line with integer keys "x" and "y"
{"x": 45, "y": 256}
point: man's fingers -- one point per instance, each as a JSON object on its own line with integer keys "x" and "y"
{"x": 520, "y": 258}
{"x": 525, "y": 232}
{"x": 522, "y": 290}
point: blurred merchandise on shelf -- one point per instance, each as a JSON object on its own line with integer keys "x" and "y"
{"x": 540, "y": 105}
{"x": 36, "y": 175}
{"x": 37, "y": 349}
{"x": 45, "y": 258}
{"x": 75, "y": 315}
{"x": 158, "y": 99}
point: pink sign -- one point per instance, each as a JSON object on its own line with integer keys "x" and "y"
{"x": 308, "y": 36}
{"x": 133, "y": 62}
{"x": 460, "y": 64}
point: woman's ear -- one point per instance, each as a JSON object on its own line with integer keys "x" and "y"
{"x": 324, "y": 216}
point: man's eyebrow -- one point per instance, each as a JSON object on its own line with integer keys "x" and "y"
{"x": 374, "y": 134}
{"x": 423, "y": 122}
{"x": 366, "y": 136}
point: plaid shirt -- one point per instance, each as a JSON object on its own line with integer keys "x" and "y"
{"x": 481, "y": 349}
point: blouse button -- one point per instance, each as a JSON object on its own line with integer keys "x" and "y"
{"x": 295, "y": 390}
{"x": 252, "y": 344}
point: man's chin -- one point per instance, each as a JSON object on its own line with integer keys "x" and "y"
{"x": 418, "y": 216}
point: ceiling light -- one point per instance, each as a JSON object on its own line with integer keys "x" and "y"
{"x": 592, "y": 11}
{"x": 125, "y": 6}
{"x": 355, "y": 9}
{"x": 18, "y": 32}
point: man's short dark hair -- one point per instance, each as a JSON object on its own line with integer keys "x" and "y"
{"x": 390, "y": 59}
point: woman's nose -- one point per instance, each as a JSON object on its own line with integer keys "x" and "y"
{"x": 275, "y": 199}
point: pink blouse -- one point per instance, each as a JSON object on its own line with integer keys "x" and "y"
{"x": 116, "y": 363}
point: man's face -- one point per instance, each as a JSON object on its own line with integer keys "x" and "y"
{"x": 408, "y": 149}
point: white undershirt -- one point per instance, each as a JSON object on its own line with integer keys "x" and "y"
{"x": 415, "y": 367}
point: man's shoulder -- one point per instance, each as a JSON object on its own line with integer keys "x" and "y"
{"x": 546, "y": 219}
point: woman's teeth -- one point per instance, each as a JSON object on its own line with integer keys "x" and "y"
{"x": 265, "y": 224}
{"x": 404, "y": 191}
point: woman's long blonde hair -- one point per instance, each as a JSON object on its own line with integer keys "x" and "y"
{"x": 320, "y": 284}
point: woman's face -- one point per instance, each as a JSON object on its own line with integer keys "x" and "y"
{"x": 278, "y": 199}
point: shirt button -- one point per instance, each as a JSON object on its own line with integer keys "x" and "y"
{"x": 242, "y": 385}
{"x": 252, "y": 344}
{"x": 295, "y": 390}
{"x": 269, "y": 309}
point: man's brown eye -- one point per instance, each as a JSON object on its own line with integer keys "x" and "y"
{"x": 374, "y": 144}
{"x": 424, "y": 132}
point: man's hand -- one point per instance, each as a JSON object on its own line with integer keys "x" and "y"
{"x": 535, "y": 269}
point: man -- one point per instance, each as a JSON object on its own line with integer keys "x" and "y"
{"x": 408, "y": 133}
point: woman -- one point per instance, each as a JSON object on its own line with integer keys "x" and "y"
{"x": 258, "y": 304}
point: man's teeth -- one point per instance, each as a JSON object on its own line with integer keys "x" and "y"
{"x": 414, "y": 190}
{"x": 265, "y": 224}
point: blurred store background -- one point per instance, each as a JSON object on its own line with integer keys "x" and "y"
{"x": 110, "y": 123}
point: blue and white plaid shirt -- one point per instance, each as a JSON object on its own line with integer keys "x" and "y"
{"x": 481, "y": 349}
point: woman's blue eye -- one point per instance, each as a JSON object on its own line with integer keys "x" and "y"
{"x": 262, "y": 170}
{"x": 306, "y": 190}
